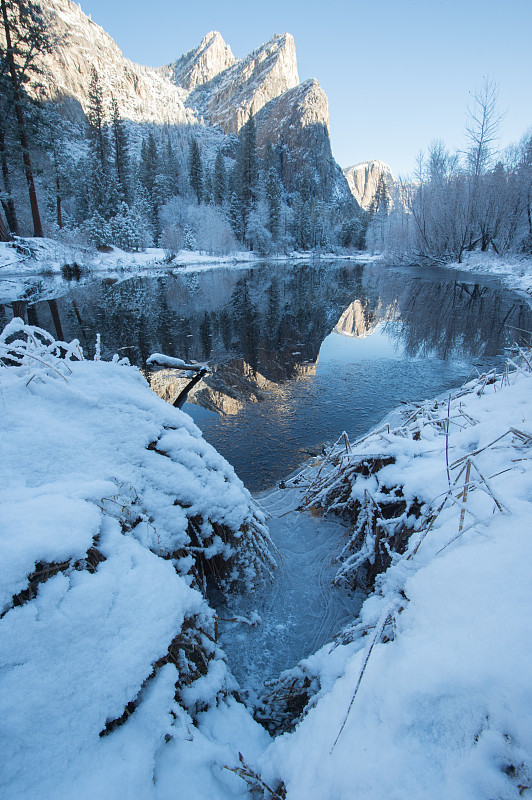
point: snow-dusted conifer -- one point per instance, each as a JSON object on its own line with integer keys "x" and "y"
{"x": 120, "y": 152}
{"x": 273, "y": 198}
{"x": 235, "y": 217}
{"x": 189, "y": 239}
{"x": 195, "y": 170}
{"x": 219, "y": 180}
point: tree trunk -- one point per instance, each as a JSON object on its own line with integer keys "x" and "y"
{"x": 55, "y": 316}
{"x": 37, "y": 227}
{"x": 19, "y": 309}
{"x": 4, "y": 233}
{"x": 58, "y": 204}
{"x": 8, "y": 205}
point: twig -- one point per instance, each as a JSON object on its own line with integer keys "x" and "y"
{"x": 388, "y": 612}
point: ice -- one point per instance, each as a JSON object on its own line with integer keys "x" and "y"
{"x": 301, "y": 610}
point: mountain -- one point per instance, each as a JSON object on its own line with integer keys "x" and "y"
{"x": 201, "y": 65}
{"x": 224, "y": 90}
{"x": 298, "y": 121}
{"x": 142, "y": 93}
{"x": 207, "y": 85}
{"x": 363, "y": 179}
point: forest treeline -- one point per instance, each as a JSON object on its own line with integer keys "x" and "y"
{"x": 100, "y": 180}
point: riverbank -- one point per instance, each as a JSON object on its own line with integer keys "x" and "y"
{"x": 514, "y": 271}
{"x": 50, "y": 256}
{"x": 428, "y": 694}
{"x": 425, "y": 695}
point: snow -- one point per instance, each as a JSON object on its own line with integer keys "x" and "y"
{"x": 159, "y": 359}
{"x": 442, "y": 709}
{"x": 514, "y": 270}
{"x": 48, "y": 256}
{"x": 427, "y": 694}
{"x": 77, "y": 478}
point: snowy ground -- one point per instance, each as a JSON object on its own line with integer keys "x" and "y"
{"x": 104, "y": 486}
{"x": 48, "y": 256}
{"x": 428, "y": 696}
{"x": 514, "y": 271}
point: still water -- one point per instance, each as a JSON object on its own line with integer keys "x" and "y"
{"x": 298, "y": 352}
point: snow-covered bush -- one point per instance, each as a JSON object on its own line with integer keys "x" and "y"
{"x": 213, "y": 232}
{"x": 35, "y": 351}
{"x": 195, "y": 227}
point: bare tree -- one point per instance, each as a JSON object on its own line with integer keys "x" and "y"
{"x": 483, "y": 128}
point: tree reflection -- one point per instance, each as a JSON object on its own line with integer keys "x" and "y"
{"x": 262, "y": 327}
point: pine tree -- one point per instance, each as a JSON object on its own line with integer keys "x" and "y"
{"x": 120, "y": 151}
{"x": 195, "y": 170}
{"x": 96, "y": 117}
{"x": 249, "y": 171}
{"x": 102, "y": 190}
{"x": 219, "y": 180}
{"x": 189, "y": 240}
{"x": 381, "y": 199}
{"x": 170, "y": 167}
{"x": 26, "y": 35}
{"x": 273, "y": 198}
{"x": 149, "y": 180}
{"x": 236, "y": 218}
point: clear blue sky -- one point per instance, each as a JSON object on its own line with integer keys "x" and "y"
{"x": 397, "y": 73}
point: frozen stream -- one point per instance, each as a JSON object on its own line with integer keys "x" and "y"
{"x": 301, "y": 611}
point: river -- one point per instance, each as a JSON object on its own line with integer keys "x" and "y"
{"x": 298, "y": 353}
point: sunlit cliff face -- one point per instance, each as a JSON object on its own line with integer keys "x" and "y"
{"x": 227, "y": 388}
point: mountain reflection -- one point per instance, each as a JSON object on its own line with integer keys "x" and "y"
{"x": 258, "y": 329}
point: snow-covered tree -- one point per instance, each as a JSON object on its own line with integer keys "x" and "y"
{"x": 120, "y": 146}
{"x": 219, "y": 180}
{"x": 195, "y": 168}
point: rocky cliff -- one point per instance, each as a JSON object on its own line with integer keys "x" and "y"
{"x": 224, "y": 90}
{"x": 201, "y": 65}
{"x": 206, "y": 85}
{"x": 298, "y": 121}
{"x": 363, "y": 180}
{"x": 142, "y": 93}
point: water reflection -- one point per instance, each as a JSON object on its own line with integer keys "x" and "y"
{"x": 297, "y": 352}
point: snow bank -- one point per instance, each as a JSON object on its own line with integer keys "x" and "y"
{"x": 110, "y": 682}
{"x": 47, "y": 256}
{"x": 514, "y": 270}
{"x": 429, "y": 694}
{"x": 113, "y": 507}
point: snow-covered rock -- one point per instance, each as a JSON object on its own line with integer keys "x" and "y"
{"x": 363, "y": 180}
{"x": 247, "y": 85}
{"x": 199, "y": 66}
{"x": 142, "y": 94}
